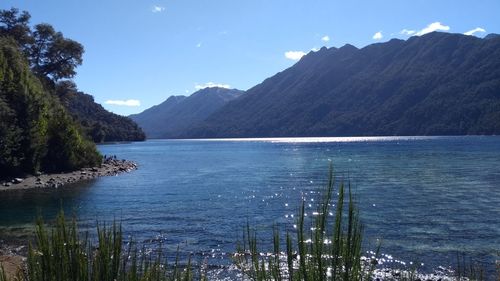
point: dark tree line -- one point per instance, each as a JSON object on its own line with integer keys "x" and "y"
{"x": 36, "y": 132}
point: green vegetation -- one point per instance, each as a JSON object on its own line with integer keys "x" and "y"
{"x": 53, "y": 58}
{"x": 36, "y": 133}
{"x": 64, "y": 254}
{"x": 49, "y": 53}
{"x": 97, "y": 123}
{"x": 327, "y": 247}
{"x": 3, "y": 276}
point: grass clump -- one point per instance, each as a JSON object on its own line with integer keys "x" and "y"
{"x": 63, "y": 254}
{"x": 326, "y": 247}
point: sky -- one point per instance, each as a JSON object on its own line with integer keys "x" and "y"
{"x": 140, "y": 52}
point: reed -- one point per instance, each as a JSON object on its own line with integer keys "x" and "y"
{"x": 3, "y": 276}
{"x": 469, "y": 270}
{"x": 326, "y": 247}
{"x": 62, "y": 253}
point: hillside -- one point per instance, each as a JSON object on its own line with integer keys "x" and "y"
{"x": 98, "y": 123}
{"x": 179, "y": 113}
{"x": 36, "y": 133}
{"x": 436, "y": 84}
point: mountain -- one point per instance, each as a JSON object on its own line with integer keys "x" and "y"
{"x": 491, "y": 36}
{"x": 179, "y": 113}
{"x": 36, "y": 132}
{"x": 436, "y": 84}
{"x": 98, "y": 123}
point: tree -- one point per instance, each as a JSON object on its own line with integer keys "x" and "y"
{"x": 49, "y": 53}
{"x": 15, "y": 25}
{"x": 52, "y": 55}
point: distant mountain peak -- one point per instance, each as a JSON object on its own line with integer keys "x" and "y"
{"x": 348, "y": 47}
{"x": 492, "y": 36}
{"x": 179, "y": 113}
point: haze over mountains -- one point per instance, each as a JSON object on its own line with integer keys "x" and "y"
{"x": 436, "y": 84}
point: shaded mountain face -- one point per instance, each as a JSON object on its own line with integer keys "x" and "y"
{"x": 436, "y": 84}
{"x": 178, "y": 114}
{"x": 98, "y": 123}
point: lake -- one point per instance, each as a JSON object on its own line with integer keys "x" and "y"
{"x": 426, "y": 198}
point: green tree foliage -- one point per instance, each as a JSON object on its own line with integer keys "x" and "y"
{"x": 52, "y": 55}
{"x": 49, "y": 53}
{"x": 36, "y": 133}
{"x": 16, "y": 25}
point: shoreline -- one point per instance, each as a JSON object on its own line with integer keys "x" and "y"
{"x": 13, "y": 252}
{"x": 109, "y": 167}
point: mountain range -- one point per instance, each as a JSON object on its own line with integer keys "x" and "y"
{"x": 178, "y": 113}
{"x": 435, "y": 84}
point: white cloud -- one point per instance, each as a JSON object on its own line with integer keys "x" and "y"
{"x": 325, "y": 38}
{"x": 124, "y": 102}
{"x": 211, "y": 85}
{"x": 407, "y": 32}
{"x": 477, "y": 29}
{"x": 157, "y": 9}
{"x": 198, "y": 45}
{"x": 315, "y": 49}
{"x": 294, "y": 55}
{"x": 378, "y": 36}
{"x": 435, "y": 26}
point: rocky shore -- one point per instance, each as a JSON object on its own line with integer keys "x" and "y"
{"x": 110, "y": 167}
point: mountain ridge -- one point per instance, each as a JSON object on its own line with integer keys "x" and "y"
{"x": 391, "y": 88}
{"x": 178, "y": 113}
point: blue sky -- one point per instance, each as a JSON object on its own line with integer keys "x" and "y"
{"x": 139, "y": 52}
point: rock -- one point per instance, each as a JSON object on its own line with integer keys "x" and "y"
{"x": 17, "y": 180}
{"x": 94, "y": 169}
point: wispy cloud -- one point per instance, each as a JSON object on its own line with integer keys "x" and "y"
{"x": 435, "y": 26}
{"x": 378, "y": 36}
{"x": 124, "y": 102}
{"x": 475, "y": 30}
{"x": 325, "y": 38}
{"x": 407, "y": 32}
{"x": 198, "y": 45}
{"x": 294, "y": 55}
{"x": 157, "y": 9}
{"x": 211, "y": 85}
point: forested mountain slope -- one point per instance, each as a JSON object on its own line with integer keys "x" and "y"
{"x": 436, "y": 84}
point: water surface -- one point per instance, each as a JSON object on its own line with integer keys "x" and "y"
{"x": 425, "y": 197}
